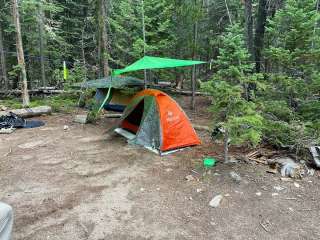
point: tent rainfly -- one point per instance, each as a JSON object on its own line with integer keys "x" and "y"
{"x": 148, "y": 62}
{"x": 155, "y": 121}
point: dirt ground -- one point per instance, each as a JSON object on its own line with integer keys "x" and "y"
{"x": 78, "y": 184}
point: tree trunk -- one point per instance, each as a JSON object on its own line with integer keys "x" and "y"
{"x": 260, "y": 29}
{"x": 103, "y": 38}
{"x": 20, "y": 54}
{"x": 3, "y": 62}
{"x": 195, "y": 35}
{"x": 226, "y": 146}
{"x": 41, "y": 44}
{"x": 249, "y": 26}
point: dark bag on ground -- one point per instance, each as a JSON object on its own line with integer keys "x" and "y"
{"x": 14, "y": 121}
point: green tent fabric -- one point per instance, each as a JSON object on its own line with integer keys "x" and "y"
{"x": 148, "y": 62}
{"x": 114, "y": 82}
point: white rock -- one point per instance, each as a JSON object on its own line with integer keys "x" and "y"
{"x": 278, "y": 188}
{"x": 189, "y": 178}
{"x": 142, "y": 189}
{"x": 236, "y": 177}
{"x": 158, "y": 189}
{"x": 65, "y": 127}
{"x": 215, "y": 202}
{"x": 297, "y": 185}
{"x": 199, "y": 190}
{"x": 275, "y": 194}
{"x": 258, "y": 194}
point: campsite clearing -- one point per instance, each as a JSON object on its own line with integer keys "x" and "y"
{"x": 79, "y": 184}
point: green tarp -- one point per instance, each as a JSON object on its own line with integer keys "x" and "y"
{"x": 114, "y": 82}
{"x": 148, "y": 62}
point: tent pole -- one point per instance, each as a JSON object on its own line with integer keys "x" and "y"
{"x": 105, "y": 100}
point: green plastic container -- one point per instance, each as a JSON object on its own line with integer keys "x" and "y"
{"x": 209, "y": 162}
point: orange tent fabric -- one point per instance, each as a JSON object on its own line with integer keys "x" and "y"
{"x": 176, "y": 130}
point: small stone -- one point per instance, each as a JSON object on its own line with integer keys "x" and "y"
{"x": 227, "y": 195}
{"x": 158, "y": 189}
{"x": 189, "y": 178}
{"x": 212, "y": 223}
{"x": 274, "y": 194}
{"x": 297, "y": 185}
{"x": 190, "y": 198}
{"x": 311, "y": 172}
{"x": 216, "y": 174}
{"x": 65, "y": 127}
{"x": 285, "y": 179}
{"x": 169, "y": 169}
{"x": 236, "y": 177}
{"x": 290, "y": 209}
{"x": 199, "y": 190}
{"x": 215, "y": 202}
{"x": 309, "y": 181}
{"x": 142, "y": 189}
{"x": 278, "y": 188}
{"x": 258, "y": 194}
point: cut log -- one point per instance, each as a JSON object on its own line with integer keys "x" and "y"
{"x": 202, "y": 128}
{"x": 29, "y": 112}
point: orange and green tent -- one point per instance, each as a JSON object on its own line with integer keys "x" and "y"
{"x": 155, "y": 121}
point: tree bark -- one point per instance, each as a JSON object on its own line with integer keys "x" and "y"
{"x": 103, "y": 36}
{"x": 194, "y": 53}
{"x": 3, "y": 62}
{"x": 41, "y": 44}
{"x": 249, "y": 26}
{"x": 260, "y": 30}
{"x": 226, "y": 146}
{"x": 20, "y": 54}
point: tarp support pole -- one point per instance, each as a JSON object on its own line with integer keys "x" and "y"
{"x": 105, "y": 100}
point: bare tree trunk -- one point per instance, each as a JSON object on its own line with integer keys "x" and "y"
{"x": 103, "y": 38}
{"x": 3, "y": 62}
{"x": 249, "y": 26}
{"x": 41, "y": 44}
{"x": 226, "y": 146}
{"x": 225, "y": 2}
{"x": 195, "y": 35}
{"x": 260, "y": 29}
{"x": 144, "y": 41}
{"x": 20, "y": 54}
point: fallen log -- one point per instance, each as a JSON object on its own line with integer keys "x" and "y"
{"x": 29, "y": 112}
{"x": 202, "y": 128}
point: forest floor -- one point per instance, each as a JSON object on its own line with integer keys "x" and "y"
{"x": 78, "y": 184}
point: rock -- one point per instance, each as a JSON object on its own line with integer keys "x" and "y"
{"x": 80, "y": 119}
{"x": 278, "y": 188}
{"x": 142, "y": 189}
{"x": 158, "y": 189}
{"x": 290, "y": 209}
{"x": 199, "y": 190}
{"x": 236, "y": 177}
{"x": 189, "y": 178}
{"x": 3, "y": 108}
{"x": 169, "y": 169}
{"x": 227, "y": 195}
{"x": 258, "y": 194}
{"x": 297, "y": 185}
{"x": 286, "y": 179}
{"x": 65, "y": 127}
{"x": 215, "y": 202}
{"x": 274, "y": 194}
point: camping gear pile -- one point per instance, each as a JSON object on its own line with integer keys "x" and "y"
{"x": 12, "y": 121}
